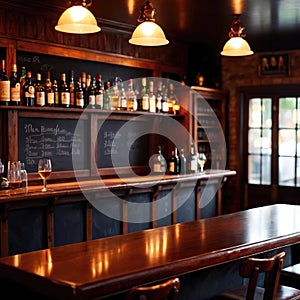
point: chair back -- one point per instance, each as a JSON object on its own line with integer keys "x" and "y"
{"x": 272, "y": 267}
{"x": 164, "y": 291}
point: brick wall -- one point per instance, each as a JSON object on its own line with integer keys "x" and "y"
{"x": 238, "y": 72}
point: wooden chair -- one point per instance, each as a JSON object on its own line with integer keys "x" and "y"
{"x": 166, "y": 290}
{"x": 251, "y": 268}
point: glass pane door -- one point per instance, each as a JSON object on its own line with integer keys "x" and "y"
{"x": 289, "y": 141}
{"x": 260, "y": 141}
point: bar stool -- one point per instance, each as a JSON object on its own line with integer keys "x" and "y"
{"x": 166, "y": 290}
{"x": 251, "y": 268}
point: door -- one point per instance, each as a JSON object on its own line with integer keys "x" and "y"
{"x": 271, "y": 145}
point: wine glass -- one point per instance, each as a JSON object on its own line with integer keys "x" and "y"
{"x": 201, "y": 160}
{"x": 44, "y": 169}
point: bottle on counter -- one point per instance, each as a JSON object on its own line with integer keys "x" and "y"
{"x": 29, "y": 90}
{"x": 192, "y": 160}
{"x": 15, "y": 87}
{"x": 4, "y": 86}
{"x": 183, "y": 169}
{"x": 159, "y": 162}
{"x": 174, "y": 163}
{"x": 40, "y": 99}
{"x": 64, "y": 92}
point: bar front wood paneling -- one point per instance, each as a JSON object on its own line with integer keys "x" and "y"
{"x": 98, "y": 268}
{"x": 73, "y": 193}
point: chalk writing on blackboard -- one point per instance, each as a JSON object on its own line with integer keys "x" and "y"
{"x": 126, "y": 146}
{"x": 53, "y": 138}
{"x": 109, "y": 142}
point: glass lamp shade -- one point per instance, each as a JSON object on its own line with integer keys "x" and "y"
{"x": 77, "y": 19}
{"x": 148, "y": 33}
{"x": 236, "y": 46}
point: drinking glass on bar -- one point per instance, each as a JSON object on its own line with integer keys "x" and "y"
{"x": 44, "y": 169}
{"x": 14, "y": 175}
{"x": 201, "y": 161}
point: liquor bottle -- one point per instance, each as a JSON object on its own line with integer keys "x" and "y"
{"x": 192, "y": 160}
{"x": 152, "y": 98}
{"x": 79, "y": 94}
{"x": 174, "y": 163}
{"x": 159, "y": 162}
{"x": 144, "y": 95}
{"x": 56, "y": 93}
{"x": 164, "y": 100}
{"x": 123, "y": 99}
{"x": 40, "y": 99}
{"x": 159, "y": 97}
{"x": 91, "y": 93}
{"x": 115, "y": 95}
{"x": 107, "y": 96}
{"x": 15, "y": 86}
{"x": 72, "y": 88}
{"x": 171, "y": 99}
{"x": 22, "y": 81}
{"x": 182, "y": 157}
{"x": 99, "y": 92}
{"x": 4, "y": 85}
{"x": 29, "y": 90}
{"x": 131, "y": 97}
{"x": 84, "y": 87}
{"x": 64, "y": 92}
{"x": 49, "y": 91}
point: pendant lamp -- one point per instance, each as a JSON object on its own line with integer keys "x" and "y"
{"x": 148, "y": 33}
{"x": 236, "y": 45}
{"x": 78, "y": 19}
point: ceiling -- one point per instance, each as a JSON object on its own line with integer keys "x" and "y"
{"x": 270, "y": 24}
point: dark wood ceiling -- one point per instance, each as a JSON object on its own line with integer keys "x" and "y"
{"x": 270, "y": 24}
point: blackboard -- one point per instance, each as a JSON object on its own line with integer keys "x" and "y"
{"x": 41, "y": 63}
{"x": 53, "y": 138}
{"x": 130, "y": 144}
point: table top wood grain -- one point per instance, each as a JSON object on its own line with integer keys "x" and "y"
{"x": 102, "y": 267}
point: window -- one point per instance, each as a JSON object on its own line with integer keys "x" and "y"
{"x": 259, "y": 141}
{"x": 274, "y": 141}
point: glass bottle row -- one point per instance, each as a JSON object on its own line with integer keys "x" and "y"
{"x": 85, "y": 91}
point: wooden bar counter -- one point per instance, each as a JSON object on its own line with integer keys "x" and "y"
{"x": 64, "y": 214}
{"x": 98, "y": 268}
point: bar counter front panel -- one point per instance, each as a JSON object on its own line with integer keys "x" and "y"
{"x": 38, "y": 220}
{"x": 103, "y": 267}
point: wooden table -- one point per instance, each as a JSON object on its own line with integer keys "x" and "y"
{"x": 103, "y": 267}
